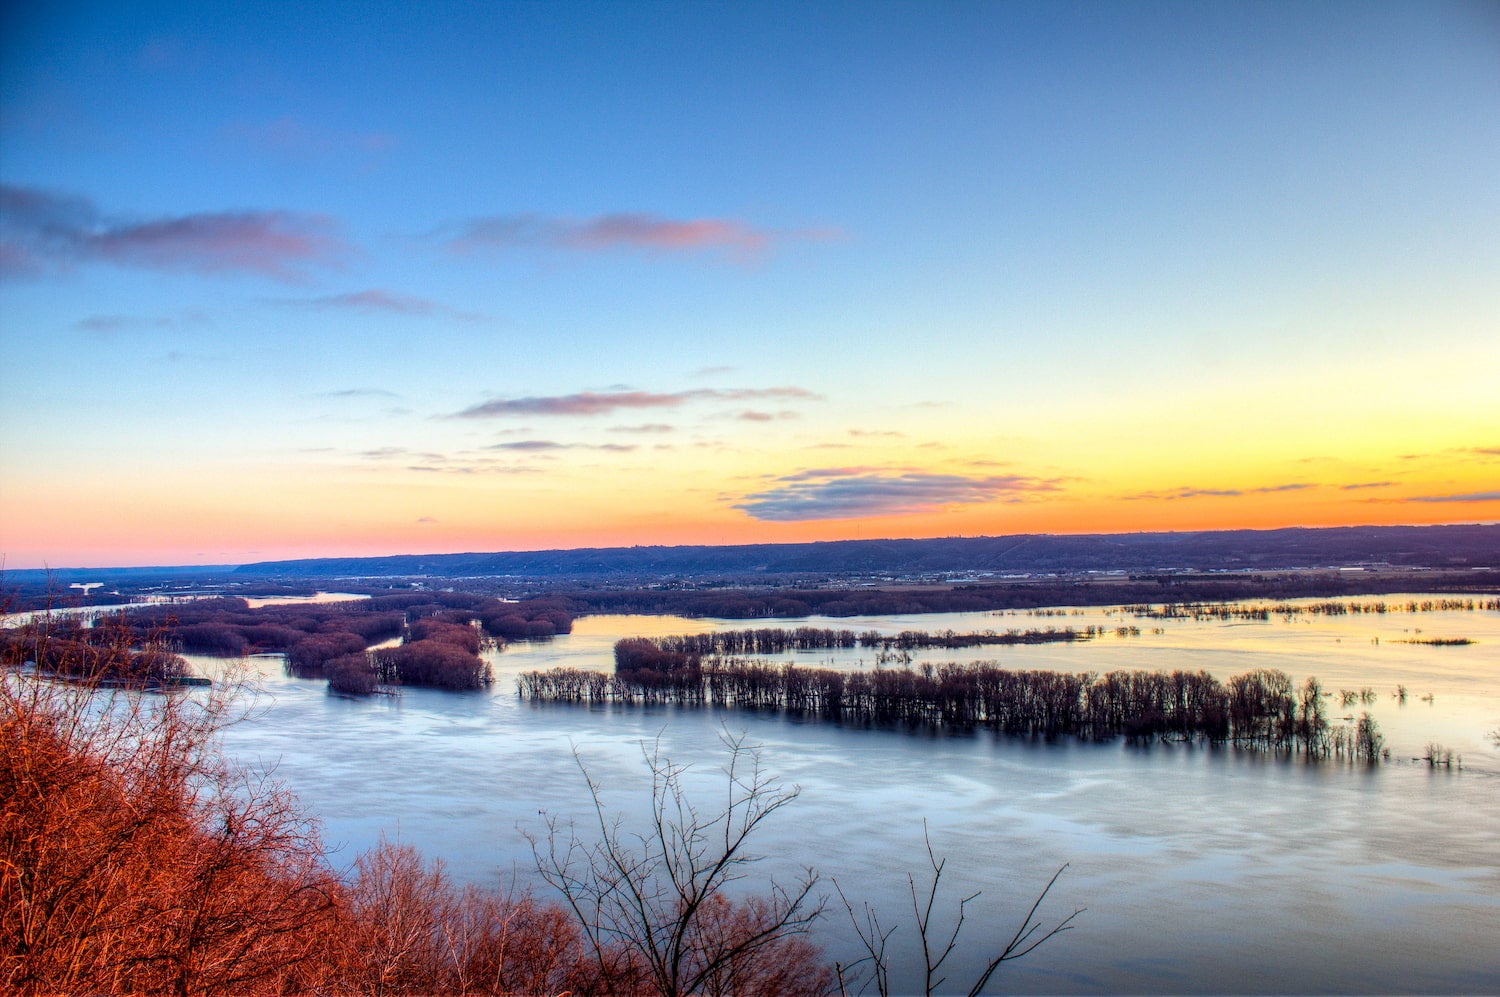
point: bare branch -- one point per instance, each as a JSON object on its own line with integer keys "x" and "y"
{"x": 661, "y": 894}
{"x": 874, "y": 937}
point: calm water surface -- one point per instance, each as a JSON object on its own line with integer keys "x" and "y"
{"x": 1202, "y": 869}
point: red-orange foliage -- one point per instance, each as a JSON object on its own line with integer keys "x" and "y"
{"x": 458, "y": 634}
{"x": 410, "y": 930}
{"x": 133, "y": 859}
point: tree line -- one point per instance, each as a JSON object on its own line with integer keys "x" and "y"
{"x": 1238, "y": 611}
{"x": 735, "y": 599}
{"x": 773, "y": 640}
{"x": 1259, "y": 709}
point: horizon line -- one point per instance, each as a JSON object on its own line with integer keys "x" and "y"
{"x": 4, "y": 569}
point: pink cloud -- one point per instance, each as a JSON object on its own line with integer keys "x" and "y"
{"x": 755, "y": 415}
{"x": 51, "y": 231}
{"x": 625, "y": 230}
{"x": 546, "y": 446}
{"x": 609, "y": 231}
{"x": 272, "y": 244}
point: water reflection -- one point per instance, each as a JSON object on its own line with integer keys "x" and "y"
{"x": 1204, "y": 869}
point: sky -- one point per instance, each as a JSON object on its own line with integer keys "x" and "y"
{"x": 299, "y": 280}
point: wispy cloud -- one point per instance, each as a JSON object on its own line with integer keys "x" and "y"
{"x": 1359, "y": 485}
{"x": 107, "y": 324}
{"x": 1461, "y": 497}
{"x": 289, "y": 136}
{"x": 1481, "y": 453}
{"x": 184, "y": 357}
{"x": 755, "y": 415}
{"x": 1190, "y": 493}
{"x": 821, "y": 473}
{"x": 43, "y": 232}
{"x": 428, "y": 462}
{"x": 587, "y": 403}
{"x": 360, "y": 393}
{"x": 401, "y": 454}
{"x": 648, "y": 427}
{"x": 377, "y": 300}
{"x": 529, "y": 446}
{"x": 548, "y": 446}
{"x": 630, "y": 231}
{"x": 834, "y": 494}
{"x": 373, "y": 300}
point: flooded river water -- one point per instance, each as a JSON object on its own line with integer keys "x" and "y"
{"x": 1202, "y": 869}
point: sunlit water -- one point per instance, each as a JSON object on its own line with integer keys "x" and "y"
{"x": 1202, "y": 869}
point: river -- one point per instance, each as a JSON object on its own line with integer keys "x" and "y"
{"x": 1200, "y": 869}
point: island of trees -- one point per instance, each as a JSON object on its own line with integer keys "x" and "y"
{"x": 1261, "y": 709}
{"x": 430, "y": 639}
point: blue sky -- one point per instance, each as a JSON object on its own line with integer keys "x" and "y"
{"x": 907, "y": 269}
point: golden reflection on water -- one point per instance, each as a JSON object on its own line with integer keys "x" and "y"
{"x": 1452, "y": 692}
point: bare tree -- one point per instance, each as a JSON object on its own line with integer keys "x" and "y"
{"x": 935, "y": 947}
{"x": 398, "y": 907}
{"x": 407, "y": 928}
{"x": 652, "y": 905}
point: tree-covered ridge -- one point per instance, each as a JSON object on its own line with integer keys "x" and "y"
{"x": 1461, "y": 546}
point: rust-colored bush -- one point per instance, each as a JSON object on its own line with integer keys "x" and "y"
{"x": 407, "y": 929}
{"x": 133, "y": 859}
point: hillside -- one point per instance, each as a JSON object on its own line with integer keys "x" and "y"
{"x": 1467, "y": 546}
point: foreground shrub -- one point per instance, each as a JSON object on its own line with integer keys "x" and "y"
{"x": 410, "y": 930}
{"x": 134, "y": 859}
